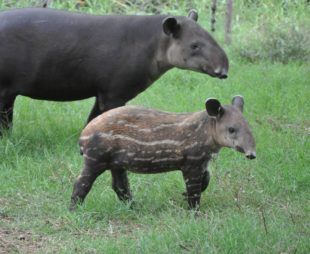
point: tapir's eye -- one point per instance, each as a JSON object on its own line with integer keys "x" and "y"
{"x": 195, "y": 46}
{"x": 231, "y": 130}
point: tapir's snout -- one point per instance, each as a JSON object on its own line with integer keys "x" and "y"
{"x": 222, "y": 69}
{"x": 221, "y": 73}
{"x": 251, "y": 155}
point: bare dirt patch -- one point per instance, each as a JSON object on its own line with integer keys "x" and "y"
{"x": 12, "y": 241}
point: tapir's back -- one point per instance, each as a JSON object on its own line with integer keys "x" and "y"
{"x": 54, "y": 22}
{"x": 60, "y": 55}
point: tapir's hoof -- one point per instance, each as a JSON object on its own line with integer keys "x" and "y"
{"x": 131, "y": 204}
{"x": 73, "y": 206}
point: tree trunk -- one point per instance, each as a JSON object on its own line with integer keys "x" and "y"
{"x": 45, "y": 3}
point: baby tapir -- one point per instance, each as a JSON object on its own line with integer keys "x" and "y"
{"x": 149, "y": 141}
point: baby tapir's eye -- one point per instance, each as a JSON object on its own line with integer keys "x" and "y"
{"x": 231, "y": 130}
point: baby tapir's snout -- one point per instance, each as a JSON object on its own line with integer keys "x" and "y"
{"x": 149, "y": 141}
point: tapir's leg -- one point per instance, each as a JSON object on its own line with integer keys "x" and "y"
{"x": 84, "y": 183}
{"x": 193, "y": 180}
{"x": 205, "y": 180}
{"x": 103, "y": 104}
{"x": 120, "y": 184}
{"x": 6, "y": 113}
{"x": 94, "y": 112}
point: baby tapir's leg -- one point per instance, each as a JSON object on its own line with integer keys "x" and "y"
{"x": 193, "y": 180}
{"x": 84, "y": 183}
{"x": 205, "y": 180}
{"x": 120, "y": 184}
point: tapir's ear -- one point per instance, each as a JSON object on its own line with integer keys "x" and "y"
{"x": 193, "y": 14}
{"x": 238, "y": 102}
{"x": 214, "y": 108}
{"x": 171, "y": 26}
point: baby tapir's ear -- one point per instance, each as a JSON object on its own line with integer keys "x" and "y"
{"x": 171, "y": 26}
{"x": 213, "y": 107}
{"x": 238, "y": 102}
{"x": 193, "y": 14}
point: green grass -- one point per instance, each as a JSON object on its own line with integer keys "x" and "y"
{"x": 259, "y": 206}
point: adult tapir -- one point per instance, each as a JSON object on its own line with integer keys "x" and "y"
{"x": 63, "y": 56}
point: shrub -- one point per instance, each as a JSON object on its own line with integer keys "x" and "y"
{"x": 284, "y": 42}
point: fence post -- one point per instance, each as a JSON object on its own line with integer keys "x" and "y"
{"x": 213, "y": 10}
{"x": 228, "y": 20}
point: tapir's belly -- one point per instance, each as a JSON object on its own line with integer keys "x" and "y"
{"x": 58, "y": 92}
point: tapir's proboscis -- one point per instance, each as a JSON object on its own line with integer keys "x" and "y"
{"x": 64, "y": 56}
{"x": 149, "y": 141}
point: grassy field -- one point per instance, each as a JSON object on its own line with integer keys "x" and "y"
{"x": 259, "y": 206}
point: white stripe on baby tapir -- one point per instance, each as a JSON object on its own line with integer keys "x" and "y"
{"x": 199, "y": 126}
{"x": 89, "y": 157}
{"x": 120, "y": 151}
{"x": 144, "y": 159}
{"x": 167, "y": 159}
{"x": 92, "y": 135}
{"x": 191, "y": 145}
{"x": 100, "y": 151}
{"x": 199, "y": 157}
{"x": 194, "y": 178}
{"x": 146, "y": 143}
{"x": 162, "y": 126}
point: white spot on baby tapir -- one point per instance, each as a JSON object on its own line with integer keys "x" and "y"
{"x": 204, "y": 166}
{"x": 131, "y": 154}
{"x": 109, "y": 149}
{"x": 121, "y": 122}
{"x": 85, "y": 137}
